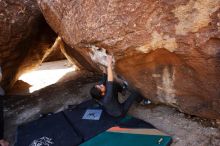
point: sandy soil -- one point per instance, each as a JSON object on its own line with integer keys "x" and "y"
{"x": 185, "y": 130}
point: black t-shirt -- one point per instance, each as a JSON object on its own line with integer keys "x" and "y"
{"x": 110, "y": 100}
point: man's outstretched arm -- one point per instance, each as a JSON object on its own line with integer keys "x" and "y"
{"x": 109, "y": 84}
{"x": 109, "y": 68}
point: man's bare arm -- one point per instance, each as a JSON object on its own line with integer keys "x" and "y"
{"x": 109, "y": 68}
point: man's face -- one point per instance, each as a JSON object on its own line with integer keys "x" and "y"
{"x": 101, "y": 88}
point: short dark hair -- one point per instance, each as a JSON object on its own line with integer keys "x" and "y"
{"x": 95, "y": 93}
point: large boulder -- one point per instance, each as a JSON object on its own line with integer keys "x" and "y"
{"x": 169, "y": 49}
{"x": 25, "y": 37}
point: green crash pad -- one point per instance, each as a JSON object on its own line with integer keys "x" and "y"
{"x": 130, "y": 136}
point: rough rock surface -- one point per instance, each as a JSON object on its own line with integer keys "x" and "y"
{"x": 169, "y": 50}
{"x": 24, "y": 38}
{"x": 55, "y": 55}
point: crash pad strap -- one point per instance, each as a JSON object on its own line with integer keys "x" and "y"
{"x": 144, "y": 131}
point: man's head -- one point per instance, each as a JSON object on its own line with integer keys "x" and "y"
{"x": 98, "y": 91}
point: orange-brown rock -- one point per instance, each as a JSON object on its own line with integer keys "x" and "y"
{"x": 168, "y": 49}
{"x": 55, "y": 55}
{"x": 24, "y": 38}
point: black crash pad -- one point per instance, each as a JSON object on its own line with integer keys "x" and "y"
{"x": 51, "y": 130}
{"x": 89, "y": 128}
{"x": 66, "y": 128}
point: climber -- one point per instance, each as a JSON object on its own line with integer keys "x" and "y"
{"x": 106, "y": 93}
{"x": 2, "y": 141}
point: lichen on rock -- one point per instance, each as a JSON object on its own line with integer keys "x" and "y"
{"x": 195, "y": 15}
{"x": 159, "y": 41}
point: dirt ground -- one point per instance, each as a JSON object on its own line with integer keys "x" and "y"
{"x": 185, "y": 130}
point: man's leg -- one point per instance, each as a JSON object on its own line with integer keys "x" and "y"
{"x": 135, "y": 96}
{"x": 1, "y": 118}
